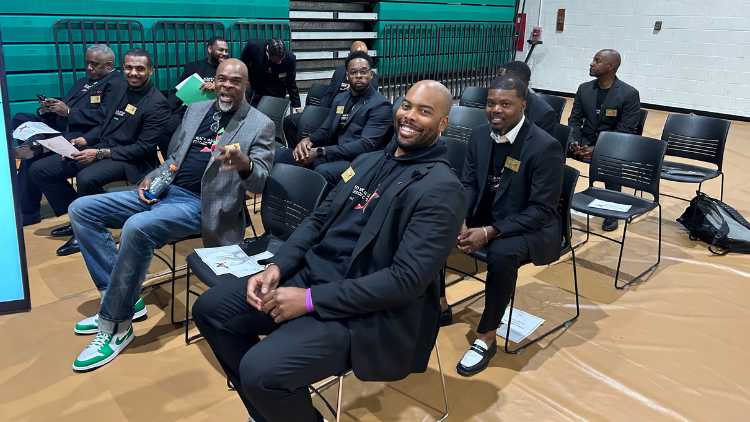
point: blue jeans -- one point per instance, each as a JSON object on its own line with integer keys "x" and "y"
{"x": 119, "y": 274}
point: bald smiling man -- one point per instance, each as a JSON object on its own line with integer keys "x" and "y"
{"x": 221, "y": 150}
{"x": 356, "y": 285}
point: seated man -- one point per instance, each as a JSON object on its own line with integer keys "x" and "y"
{"x": 217, "y": 51}
{"x": 513, "y": 178}
{"x": 78, "y": 116}
{"x": 358, "y": 122}
{"x": 123, "y": 149}
{"x": 537, "y": 109}
{"x": 222, "y": 149}
{"x": 338, "y": 84}
{"x": 273, "y": 71}
{"x": 603, "y": 104}
{"x": 356, "y": 285}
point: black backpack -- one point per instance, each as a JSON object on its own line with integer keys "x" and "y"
{"x": 717, "y": 224}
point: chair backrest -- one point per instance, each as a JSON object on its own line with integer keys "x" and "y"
{"x": 397, "y": 104}
{"x": 463, "y": 120}
{"x": 562, "y": 134}
{"x": 628, "y": 160}
{"x": 557, "y": 104}
{"x": 290, "y": 195}
{"x": 311, "y": 119}
{"x": 275, "y": 108}
{"x": 642, "y": 115}
{"x": 474, "y": 96}
{"x": 456, "y": 153}
{"x": 315, "y": 94}
{"x": 695, "y": 137}
{"x": 570, "y": 179}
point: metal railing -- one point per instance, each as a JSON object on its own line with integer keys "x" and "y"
{"x": 176, "y": 43}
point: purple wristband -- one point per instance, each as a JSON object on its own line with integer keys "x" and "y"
{"x": 308, "y": 301}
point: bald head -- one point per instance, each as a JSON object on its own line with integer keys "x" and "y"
{"x": 438, "y": 94}
{"x": 612, "y": 57}
{"x": 234, "y": 66}
{"x": 605, "y": 63}
{"x": 231, "y": 83}
{"x": 422, "y": 116}
{"x": 358, "y": 46}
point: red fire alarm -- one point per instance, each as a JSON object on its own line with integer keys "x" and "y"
{"x": 520, "y": 31}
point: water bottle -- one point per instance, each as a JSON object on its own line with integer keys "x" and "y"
{"x": 161, "y": 182}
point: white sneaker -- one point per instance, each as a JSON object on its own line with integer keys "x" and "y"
{"x": 90, "y": 325}
{"x": 103, "y": 349}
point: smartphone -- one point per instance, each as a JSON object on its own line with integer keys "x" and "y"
{"x": 41, "y": 97}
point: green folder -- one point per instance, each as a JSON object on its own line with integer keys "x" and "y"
{"x": 189, "y": 90}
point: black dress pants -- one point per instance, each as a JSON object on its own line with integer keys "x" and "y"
{"x": 291, "y": 129}
{"x": 271, "y": 375}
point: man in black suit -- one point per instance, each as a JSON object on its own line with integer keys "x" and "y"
{"x": 338, "y": 84}
{"x": 124, "y": 149}
{"x": 356, "y": 285}
{"x": 358, "y": 122}
{"x": 273, "y": 71}
{"x": 603, "y": 104}
{"x": 79, "y": 116}
{"x": 512, "y": 178}
{"x": 537, "y": 109}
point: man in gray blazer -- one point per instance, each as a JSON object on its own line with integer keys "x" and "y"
{"x": 222, "y": 149}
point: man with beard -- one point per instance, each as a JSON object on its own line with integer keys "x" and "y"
{"x": 217, "y": 51}
{"x": 222, "y": 149}
{"x": 358, "y": 123}
{"x": 604, "y": 104}
{"x": 124, "y": 149}
{"x": 79, "y": 116}
{"x": 356, "y": 285}
{"x": 512, "y": 178}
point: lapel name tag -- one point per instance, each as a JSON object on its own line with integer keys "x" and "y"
{"x": 131, "y": 109}
{"x": 610, "y": 112}
{"x": 347, "y": 175}
{"x": 339, "y": 109}
{"x": 96, "y": 99}
{"x": 512, "y": 164}
{"x": 282, "y": 75}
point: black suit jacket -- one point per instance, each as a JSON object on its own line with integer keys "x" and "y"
{"x": 620, "y": 112}
{"x": 268, "y": 78}
{"x": 539, "y": 112}
{"x": 390, "y": 297}
{"x": 339, "y": 78}
{"x": 526, "y": 202}
{"x": 364, "y": 131}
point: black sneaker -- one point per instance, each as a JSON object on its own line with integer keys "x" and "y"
{"x": 446, "y": 317}
{"x": 610, "y": 224}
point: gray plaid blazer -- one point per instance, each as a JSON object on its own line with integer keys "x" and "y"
{"x": 223, "y": 192}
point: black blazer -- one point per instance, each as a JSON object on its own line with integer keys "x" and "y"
{"x": 266, "y": 78}
{"x": 390, "y": 297}
{"x": 339, "y": 78}
{"x": 365, "y": 131}
{"x": 620, "y": 112}
{"x": 526, "y": 202}
{"x": 541, "y": 113}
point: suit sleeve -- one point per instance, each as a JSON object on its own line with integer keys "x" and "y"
{"x": 469, "y": 175}
{"x": 631, "y": 113}
{"x": 261, "y": 155}
{"x": 544, "y": 194}
{"x": 575, "y": 121}
{"x": 549, "y": 121}
{"x": 333, "y": 87}
{"x": 322, "y": 134}
{"x": 151, "y": 133}
{"x": 290, "y": 81}
{"x": 379, "y": 120}
{"x": 428, "y": 239}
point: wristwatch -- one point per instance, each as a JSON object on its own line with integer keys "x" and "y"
{"x": 321, "y": 151}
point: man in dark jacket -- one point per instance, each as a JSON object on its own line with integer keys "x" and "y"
{"x": 512, "y": 178}
{"x": 124, "y": 149}
{"x": 356, "y": 285}
{"x": 357, "y": 123}
{"x": 603, "y": 104}
{"x": 537, "y": 109}
{"x": 273, "y": 71}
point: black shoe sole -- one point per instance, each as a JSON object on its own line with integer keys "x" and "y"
{"x": 67, "y": 252}
{"x": 476, "y": 368}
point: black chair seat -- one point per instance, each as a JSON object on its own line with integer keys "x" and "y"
{"x": 688, "y": 173}
{"x": 638, "y": 206}
{"x": 251, "y": 247}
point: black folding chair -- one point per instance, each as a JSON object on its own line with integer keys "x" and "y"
{"x": 315, "y": 94}
{"x": 642, "y": 115}
{"x": 397, "y": 104}
{"x": 557, "y": 104}
{"x": 474, "y": 96}
{"x": 628, "y": 160}
{"x": 463, "y": 120}
{"x": 290, "y": 195}
{"x": 275, "y": 108}
{"x": 310, "y": 120}
{"x": 562, "y": 134}
{"x": 698, "y": 138}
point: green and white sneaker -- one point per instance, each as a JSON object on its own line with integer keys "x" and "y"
{"x": 90, "y": 325}
{"x": 103, "y": 349}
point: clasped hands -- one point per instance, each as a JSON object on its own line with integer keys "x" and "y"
{"x": 304, "y": 153}
{"x": 473, "y": 239}
{"x": 280, "y": 303}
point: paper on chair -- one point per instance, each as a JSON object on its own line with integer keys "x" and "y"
{"x": 612, "y": 206}
{"x": 29, "y": 129}
{"x": 232, "y": 260}
{"x": 523, "y": 325}
{"x": 59, "y": 145}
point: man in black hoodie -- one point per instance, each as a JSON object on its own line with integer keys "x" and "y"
{"x": 356, "y": 285}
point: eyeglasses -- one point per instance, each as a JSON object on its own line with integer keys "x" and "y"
{"x": 217, "y": 119}
{"x": 364, "y": 72}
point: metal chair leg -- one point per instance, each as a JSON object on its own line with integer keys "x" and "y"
{"x": 339, "y": 399}
{"x": 444, "y": 416}
{"x": 174, "y": 280}
{"x": 187, "y": 306}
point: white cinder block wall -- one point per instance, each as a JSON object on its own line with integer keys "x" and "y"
{"x": 699, "y": 60}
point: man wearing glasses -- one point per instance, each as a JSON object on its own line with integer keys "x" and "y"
{"x": 358, "y": 122}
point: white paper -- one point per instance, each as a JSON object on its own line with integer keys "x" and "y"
{"x": 522, "y": 326}
{"x": 232, "y": 260}
{"x": 612, "y": 206}
{"x": 59, "y": 145}
{"x": 29, "y": 129}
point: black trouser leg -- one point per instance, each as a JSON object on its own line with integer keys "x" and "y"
{"x": 31, "y": 195}
{"x": 50, "y": 174}
{"x": 291, "y": 129}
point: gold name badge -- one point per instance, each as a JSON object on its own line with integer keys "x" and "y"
{"x": 96, "y": 99}
{"x": 282, "y": 75}
{"x": 512, "y": 164}
{"x": 131, "y": 109}
{"x": 611, "y": 112}
{"x": 347, "y": 175}
{"x": 339, "y": 109}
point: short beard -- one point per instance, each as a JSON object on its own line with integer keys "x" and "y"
{"x": 422, "y": 143}
{"x": 225, "y": 107}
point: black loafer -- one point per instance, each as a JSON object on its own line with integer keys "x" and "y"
{"x": 610, "y": 224}
{"x": 64, "y": 231}
{"x": 485, "y": 354}
{"x": 446, "y": 317}
{"x": 69, "y": 248}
